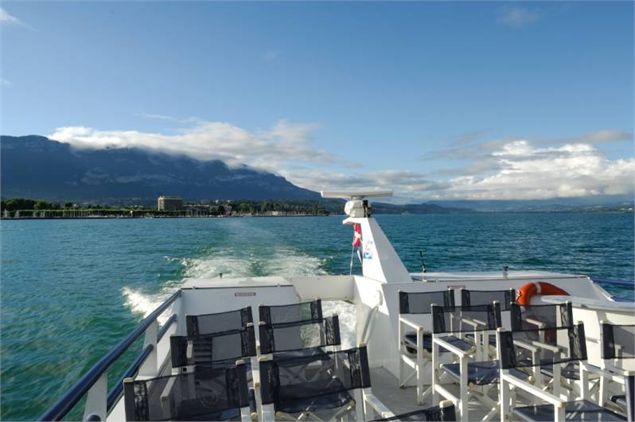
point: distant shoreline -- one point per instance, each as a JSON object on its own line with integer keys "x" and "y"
{"x": 150, "y": 217}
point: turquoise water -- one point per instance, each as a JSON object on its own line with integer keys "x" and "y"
{"x": 71, "y": 289}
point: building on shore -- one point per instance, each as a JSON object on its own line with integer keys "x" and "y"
{"x": 169, "y": 203}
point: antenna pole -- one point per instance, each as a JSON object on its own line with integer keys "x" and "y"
{"x": 350, "y": 272}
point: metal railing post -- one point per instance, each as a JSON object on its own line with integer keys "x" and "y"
{"x": 96, "y": 406}
{"x": 150, "y": 367}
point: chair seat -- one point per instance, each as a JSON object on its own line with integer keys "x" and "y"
{"x": 619, "y": 399}
{"x": 480, "y": 373}
{"x": 316, "y": 403}
{"x": 410, "y": 339}
{"x": 569, "y": 371}
{"x": 292, "y": 354}
{"x": 579, "y": 410}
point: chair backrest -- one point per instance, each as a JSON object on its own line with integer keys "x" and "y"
{"x": 220, "y": 349}
{"x": 291, "y": 384}
{"x": 545, "y": 346}
{"x": 302, "y": 335}
{"x": 618, "y": 344}
{"x": 618, "y": 341}
{"x": 420, "y": 302}
{"x": 295, "y": 312}
{"x": 466, "y": 318}
{"x": 199, "y": 325}
{"x": 205, "y": 394}
{"x": 549, "y": 316}
{"x": 484, "y": 297}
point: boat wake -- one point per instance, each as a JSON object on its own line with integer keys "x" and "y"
{"x": 279, "y": 262}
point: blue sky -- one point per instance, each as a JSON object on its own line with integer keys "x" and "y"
{"x": 435, "y": 100}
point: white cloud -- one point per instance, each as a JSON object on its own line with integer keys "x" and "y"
{"x": 270, "y": 150}
{"x": 502, "y": 169}
{"x": 516, "y": 169}
{"x": 517, "y": 17}
{"x": 527, "y": 172}
{"x": 7, "y": 19}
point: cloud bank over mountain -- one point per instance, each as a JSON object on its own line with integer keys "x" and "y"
{"x": 515, "y": 168}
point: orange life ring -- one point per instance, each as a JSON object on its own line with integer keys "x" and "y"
{"x": 529, "y": 290}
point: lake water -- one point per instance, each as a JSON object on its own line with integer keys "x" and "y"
{"x": 71, "y": 289}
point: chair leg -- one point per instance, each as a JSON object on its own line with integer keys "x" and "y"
{"x": 360, "y": 405}
{"x": 504, "y": 399}
{"x": 435, "y": 379}
{"x": 420, "y": 365}
{"x": 464, "y": 404}
{"x": 558, "y": 413}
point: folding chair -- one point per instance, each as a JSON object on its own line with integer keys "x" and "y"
{"x": 319, "y": 387}
{"x": 199, "y": 325}
{"x": 525, "y": 350}
{"x": 541, "y": 316}
{"x": 485, "y": 297}
{"x": 218, "y": 350}
{"x": 302, "y": 338}
{"x": 451, "y": 328}
{"x": 205, "y": 394}
{"x": 617, "y": 368}
{"x": 414, "y": 312}
{"x": 296, "y": 312}
{"x": 547, "y": 316}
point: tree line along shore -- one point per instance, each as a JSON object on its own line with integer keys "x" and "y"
{"x": 23, "y": 208}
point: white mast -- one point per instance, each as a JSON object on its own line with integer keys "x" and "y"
{"x": 380, "y": 261}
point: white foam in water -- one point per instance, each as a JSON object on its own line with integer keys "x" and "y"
{"x": 144, "y": 304}
{"x": 283, "y": 262}
{"x": 346, "y": 314}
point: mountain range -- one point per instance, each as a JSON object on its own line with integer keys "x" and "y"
{"x": 38, "y": 167}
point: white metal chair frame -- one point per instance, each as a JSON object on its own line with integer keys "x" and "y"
{"x": 477, "y": 353}
{"x": 555, "y": 397}
{"x": 422, "y": 355}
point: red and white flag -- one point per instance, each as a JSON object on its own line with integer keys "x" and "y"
{"x": 357, "y": 240}
{"x": 357, "y": 236}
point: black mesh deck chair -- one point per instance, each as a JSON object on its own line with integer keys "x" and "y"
{"x": 546, "y": 316}
{"x": 198, "y": 325}
{"x": 292, "y": 313}
{"x": 452, "y": 328}
{"x": 505, "y": 298}
{"x": 415, "y": 334}
{"x": 617, "y": 369}
{"x": 203, "y": 395}
{"x": 300, "y": 338}
{"x": 318, "y": 387}
{"x": 541, "y": 316}
{"x": 218, "y": 350}
{"x": 523, "y": 351}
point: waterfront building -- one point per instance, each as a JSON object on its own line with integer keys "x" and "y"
{"x": 169, "y": 203}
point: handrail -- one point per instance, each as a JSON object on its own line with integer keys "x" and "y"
{"x": 77, "y": 391}
{"x": 117, "y": 389}
{"x": 132, "y": 370}
{"x": 166, "y": 325}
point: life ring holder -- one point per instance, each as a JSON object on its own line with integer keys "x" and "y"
{"x": 537, "y": 288}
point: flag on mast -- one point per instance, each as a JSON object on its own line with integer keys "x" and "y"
{"x": 357, "y": 240}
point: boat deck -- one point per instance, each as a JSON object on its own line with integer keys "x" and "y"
{"x": 385, "y": 386}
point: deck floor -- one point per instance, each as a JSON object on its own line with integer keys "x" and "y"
{"x": 385, "y": 386}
